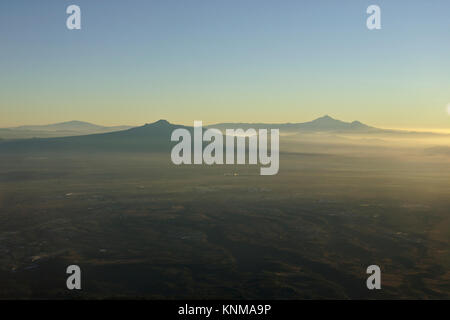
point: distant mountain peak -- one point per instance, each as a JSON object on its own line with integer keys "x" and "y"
{"x": 327, "y": 123}
{"x": 161, "y": 122}
{"x": 326, "y": 119}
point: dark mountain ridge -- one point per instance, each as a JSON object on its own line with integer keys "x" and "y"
{"x": 149, "y": 137}
{"x": 155, "y": 137}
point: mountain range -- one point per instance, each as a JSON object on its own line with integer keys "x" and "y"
{"x": 325, "y": 123}
{"x": 77, "y": 128}
{"x": 156, "y": 136}
{"x": 63, "y": 129}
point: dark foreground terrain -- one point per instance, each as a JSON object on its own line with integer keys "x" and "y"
{"x": 140, "y": 227}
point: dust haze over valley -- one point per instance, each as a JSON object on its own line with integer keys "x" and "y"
{"x": 347, "y": 196}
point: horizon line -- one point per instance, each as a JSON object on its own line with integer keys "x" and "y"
{"x": 401, "y": 128}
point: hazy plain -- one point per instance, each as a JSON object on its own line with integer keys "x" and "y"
{"x": 139, "y": 226}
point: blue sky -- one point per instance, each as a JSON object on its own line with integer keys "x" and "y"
{"x": 223, "y": 61}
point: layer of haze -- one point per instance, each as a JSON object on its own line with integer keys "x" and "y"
{"x": 225, "y": 61}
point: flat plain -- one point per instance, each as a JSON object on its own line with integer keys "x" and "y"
{"x": 141, "y": 227}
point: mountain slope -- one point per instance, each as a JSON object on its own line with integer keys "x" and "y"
{"x": 150, "y": 137}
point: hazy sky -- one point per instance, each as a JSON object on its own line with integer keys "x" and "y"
{"x": 225, "y": 61}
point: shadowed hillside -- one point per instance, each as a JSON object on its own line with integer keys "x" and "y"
{"x": 150, "y": 137}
